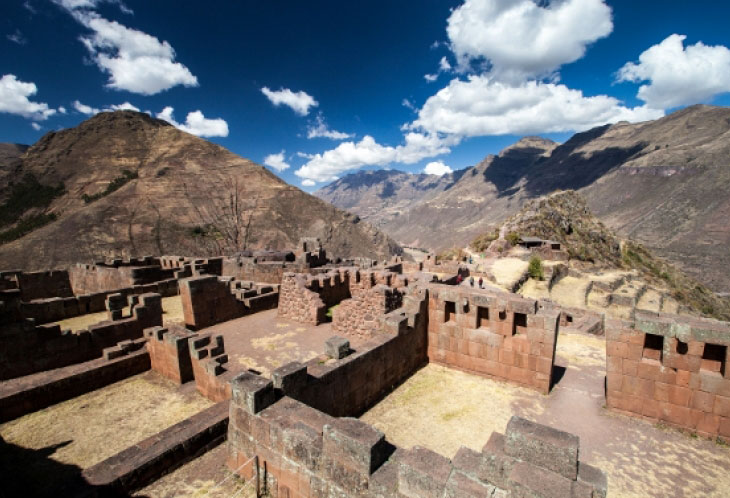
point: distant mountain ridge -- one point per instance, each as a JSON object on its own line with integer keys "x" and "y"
{"x": 664, "y": 183}
{"x": 126, "y": 184}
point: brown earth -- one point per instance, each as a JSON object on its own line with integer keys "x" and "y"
{"x": 189, "y": 196}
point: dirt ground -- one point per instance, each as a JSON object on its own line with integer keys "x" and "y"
{"x": 171, "y": 313}
{"x": 263, "y": 342}
{"x": 206, "y": 476}
{"x": 83, "y": 431}
{"x": 507, "y": 271}
{"x": 443, "y": 409}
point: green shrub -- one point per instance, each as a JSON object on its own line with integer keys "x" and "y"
{"x": 513, "y": 238}
{"x": 25, "y": 226}
{"x": 535, "y": 269}
{"x": 26, "y": 194}
{"x": 114, "y": 185}
{"x": 481, "y": 243}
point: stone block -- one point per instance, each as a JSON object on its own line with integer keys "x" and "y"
{"x": 355, "y": 444}
{"x": 531, "y": 481}
{"x": 290, "y": 378}
{"x": 542, "y": 446}
{"x": 423, "y": 473}
{"x": 252, "y": 392}
{"x": 460, "y": 485}
{"x": 337, "y": 347}
{"x": 595, "y": 478}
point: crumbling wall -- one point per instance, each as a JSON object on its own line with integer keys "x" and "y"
{"x": 303, "y": 452}
{"x": 670, "y": 368}
{"x": 89, "y": 279}
{"x": 360, "y": 315}
{"x": 37, "y": 284}
{"x": 208, "y": 300}
{"x": 59, "y": 308}
{"x": 494, "y": 334}
{"x": 26, "y": 348}
{"x": 306, "y": 298}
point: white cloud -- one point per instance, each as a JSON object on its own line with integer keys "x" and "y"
{"x": 85, "y": 109}
{"x": 300, "y": 102}
{"x": 35, "y": 126}
{"x": 321, "y": 130}
{"x": 407, "y": 103}
{"x": 276, "y": 161}
{"x": 123, "y": 107}
{"x": 308, "y": 183}
{"x": 14, "y": 99}
{"x": 17, "y": 37}
{"x": 29, "y": 7}
{"x": 430, "y": 77}
{"x": 678, "y": 75}
{"x": 196, "y": 123}
{"x": 437, "y": 168}
{"x": 523, "y": 39}
{"x": 367, "y": 152}
{"x": 444, "y": 64}
{"x": 304, "y": 155}
{"x": 62, "y": 110}
{"x": 135, "y": 61}
{"x": 481, "y": 106}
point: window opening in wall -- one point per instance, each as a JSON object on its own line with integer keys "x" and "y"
{"x": 450, "y": 312}
{"x": 482, "y": 317}
{"x": 682, "y": 347}
{"x": 519, "y": 324}
{"x": 502, "y": 315}
{"x": 653, "y": 346}
{"x": 713, "y": 358}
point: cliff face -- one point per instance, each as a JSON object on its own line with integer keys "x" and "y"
{"x": 135, "y": 185}
{"x": 663, "y": 183}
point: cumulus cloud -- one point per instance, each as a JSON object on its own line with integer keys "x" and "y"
{"x": 35, "y": 126}
{"x": 481, "y": 106}
{"x": 135, "y": 61}
{"x": 62, "y": 110}
{"x": 14, "y": 99}
{"x": 437, "y": 168}
{"x": 367, "y": 152}
{"x": 276, "y": 161}
{"x": 123, "y": 107}
{"x": 85, "y": 109}
{"x": 430, "y": 77}
{"x": 300, "y": 102}
{"x": 319, "y": 129}
{"x": 678, "y": 75}
{"x": 196, "y": 123}
{"x": 521, "y": 38}
{"x": 444, "y": 64}
{"x": 308, "y": 183}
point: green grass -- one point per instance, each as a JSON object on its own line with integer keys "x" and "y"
{"x": 114, "y": 185}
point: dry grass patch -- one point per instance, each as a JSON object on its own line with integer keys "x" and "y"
{"x": 444, "y": 409}
{"x": 580, "y": 349}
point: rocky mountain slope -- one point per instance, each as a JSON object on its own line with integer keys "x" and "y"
{"x": 663, "y": 182}
{"x": 565, "y": 217}
{"x": 10, "y": 160}
{"x": 123, "y": 184}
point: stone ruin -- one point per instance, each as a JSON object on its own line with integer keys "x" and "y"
{"x": 294, "y": 433}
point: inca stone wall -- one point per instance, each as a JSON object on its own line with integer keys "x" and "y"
{"x": 208, "y": 300}
{"x": 306, "y": 298}
{"x": 670, "y": 368}
{"x": 498, "y": 335}
{"x": 360, "y": 316}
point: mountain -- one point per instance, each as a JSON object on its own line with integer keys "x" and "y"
{"x": 663, "y": 183}
{"x": 10, "y": 160}
{"x": 123, "y": 183}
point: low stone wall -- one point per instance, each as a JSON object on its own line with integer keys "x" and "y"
{"x": 303, "y": 452}
{"x": 350, "y": 385}
{"x": 306, "y": 298}
{"x": 34, "y": 392}
{"x": 497, "y": 335}
{"x": 360, "y": 315}
{"x": 271, "y": 272}
{"x": 183, "y": 355}
{"x": 59, "y": 308}
{"x": 670, "y": 368}
{"x": 208, "y": 300}
{"x": 26, "y": 348}
{"x": 141, "y": 464}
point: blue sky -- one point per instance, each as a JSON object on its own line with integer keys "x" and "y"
{"x": 264, "y": 77}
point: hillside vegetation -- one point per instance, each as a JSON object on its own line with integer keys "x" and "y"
{"x": 566, "y": 218}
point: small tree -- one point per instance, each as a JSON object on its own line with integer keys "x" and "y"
{"x": 535, "y": 269}
{"x": 513, "y": 238}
